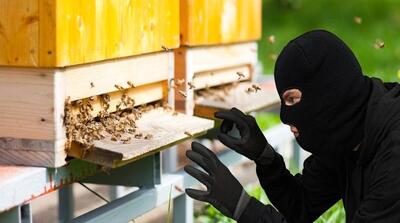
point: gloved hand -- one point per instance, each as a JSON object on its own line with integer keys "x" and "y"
{"x": 252, "y": 142}
{"x": 224, "y": 191}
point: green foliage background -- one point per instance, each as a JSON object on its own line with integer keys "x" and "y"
{"x": 286, "y": 19}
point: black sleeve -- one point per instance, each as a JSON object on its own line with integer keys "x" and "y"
{"x": 257, "y": 212}
{"x": 303, "y": 197}
{"x": 381, "y": 203}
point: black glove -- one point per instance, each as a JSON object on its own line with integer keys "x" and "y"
{"x": 224, "y": 191}
{"x": 252, "y": 142}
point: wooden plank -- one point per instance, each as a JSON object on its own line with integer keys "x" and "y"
{"x": 28, "y": 152}
{"x": 219, "y": 77}
{"x": 217, "y": 57}
{"x": 165, "y": 127}
{"x": 32, "y": 104}
{"x": 19, "y": 32}
{"x": 58, "y": 33}
{"x": 219, "y": 22}
{"x": 98, "y": 78}
{"x": 238, "y": 97}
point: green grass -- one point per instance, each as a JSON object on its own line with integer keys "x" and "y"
{"x": 286, "y": 19}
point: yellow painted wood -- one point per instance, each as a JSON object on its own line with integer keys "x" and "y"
{"x": 206, "y": 22}
{"x": 57, "y": 33}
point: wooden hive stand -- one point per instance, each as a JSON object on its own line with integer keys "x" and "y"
{"x": 57, "y": 51}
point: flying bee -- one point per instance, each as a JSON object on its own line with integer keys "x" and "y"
{"x": 182, "y": 93}
{"x": 240, "y": 75}
{"x": 191, "y": 85}
{"x": 379, "y": 44}
{"x": 271, "y": 39}
{"x": 130, "y": 84}
{"x": 119, "y": 87}
{"x": 91, "y": 84}
{"x": 358, "y": 20}
{"x": 250, "y": 90}
{"x": 256, "y": 88}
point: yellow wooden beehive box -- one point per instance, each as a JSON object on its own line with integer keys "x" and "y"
{"x": 58, "y": 33}
{"x": 207, "y": 22}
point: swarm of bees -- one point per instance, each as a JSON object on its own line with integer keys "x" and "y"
{"x": 84, "y": 128}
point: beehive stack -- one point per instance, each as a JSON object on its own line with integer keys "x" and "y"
{"x": 217, "y": 48}
{"x": 83, "y": 54}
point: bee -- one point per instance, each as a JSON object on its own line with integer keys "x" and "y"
{"x": 130, "y": 84}
{"x": 240, "y": 75}
{"x": 255, "y": 87}
{"x": 249, "y": 90}
{"x": 179, "y": 189}
{"x": 79, "y": 102}
{"x": 138, "y": 135}
{"x": 358, "y": 20}
{"x": 271, "y": 39}
{"x": 164, "y": 48}
{"x": 126, "y": 140}
{"x": 119, "y": 87}
{"x": 188, "y": 134}
{"x": 91, "y": 98}
{"x": 148, "y": 136}
{"x": 91, "y": 84}
{"x": 272, "y": 56}
{"x": 379, "y": 44}
{"x": 182, "y": 93}
{"x": 191, "y": 85}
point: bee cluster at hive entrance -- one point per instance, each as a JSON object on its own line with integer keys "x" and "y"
{"x": 119, "y": 123}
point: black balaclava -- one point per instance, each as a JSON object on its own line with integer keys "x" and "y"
{"x": 330, "y": 115}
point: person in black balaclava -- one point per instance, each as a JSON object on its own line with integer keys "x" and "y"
{"x": 350, "y": 124}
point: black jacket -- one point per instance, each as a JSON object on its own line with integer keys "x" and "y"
{"x": 367, "y": 180}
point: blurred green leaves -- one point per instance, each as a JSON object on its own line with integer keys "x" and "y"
{"x": 286, "y": 19}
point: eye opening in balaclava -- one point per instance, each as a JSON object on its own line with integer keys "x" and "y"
{"x": 330, "y": 115}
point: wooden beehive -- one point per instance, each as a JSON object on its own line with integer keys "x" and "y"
{"x": 58, "y": 33}
{"x": 212, "y": 67}
{"x": 73, "y": 50}
{"x": 205, "y": 22}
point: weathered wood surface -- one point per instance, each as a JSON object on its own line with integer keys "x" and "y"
{"x": 238, "y": 97}
{"x": 165, "y": 127}
{"x": 192, "y": 61}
